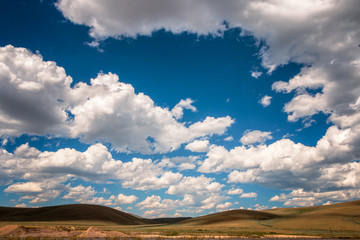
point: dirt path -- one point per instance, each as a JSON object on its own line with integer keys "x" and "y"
{"x": 8, "y": 229}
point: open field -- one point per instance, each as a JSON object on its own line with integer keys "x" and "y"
{"x": 331, "y": 221}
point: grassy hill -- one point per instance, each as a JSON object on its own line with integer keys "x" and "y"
{"x": 338, "y": 220}
{"x": 230, "y": 216}
{"x": 72, "y": 212}
{"x": 341, "y": 219}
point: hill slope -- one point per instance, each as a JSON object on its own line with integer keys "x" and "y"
{"x": 230, "y": 216}
{"x": 340, "y": 216}
{"x": 72, "y": 212}
{"x": 341, "y": 219}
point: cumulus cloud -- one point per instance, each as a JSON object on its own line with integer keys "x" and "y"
{"x": 229, "y": 139}
{"x": 255, "y": 136}
{"x": 265, "y": 101}
{"x": 224, "y": 206}
{"x": 178, "y": 110}
{"x": 80, "y": 193}
{"x": 325, "y": 86}
{"x": 160, "y": 207}
{"x": 24, "y": 187}
{"x": 181, "y": 163}
{"x": 301, "y": 198}
{"x": 198, "y": 194}
{"x": 46, "y": 172}
{"x": 87, "y": 195}
{"x": 198, "y": 146}
{"x": 328, "y": 48}
{"x": 31, "y": 94}
{"x": 124, "y": 199}
{"x": 298, "y": 41}
{"x": 256, "y": 74}
{"x": 36, "y": 98}
{"x": 235, "y": 191}
{"x": 196, "y": 185}
{"x": 21, "y": 205}
{"x": 328, "y": 166}
{"x": 249, "y": 195}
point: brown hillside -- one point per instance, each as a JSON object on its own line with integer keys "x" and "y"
{"x": 230, "y": 216}
{"x": 340, "y": 216}
{"x": 72, "y": 212}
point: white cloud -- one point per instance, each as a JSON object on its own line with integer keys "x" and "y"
{"x": 301, "y": 41}
{"x": 132, "y": 121}
{"x": 80, "y": 193}
{"x": 235, "y": 191}
{"x": 46, "y": 172}
{"x": 31, "y": 94}
{"x": 249, "y": 195}
{"x": 229, "y": 139}
{"x": 301, "y": 198}
{"x": 36, "y": 95}
{"x": 124, "y": 199}
{"x": 181, "y": 163}
{"x": 24, "y": 187}
{"x": 298, "y": 41}
{"x": 287, "y": 165}
{"x": 21, "y": 205}
{"x": 265, "y": 101}
{"x": 186, "y": 166}
{"x": 223, "y": 207}
{"x": 159, "y": 206}
{"x": 130, "y": 18}
{"x": 199, "y": 194}
{"x": 144, "y": 182}
{"x": 154, "y": 202}
{"x": 87, "y": 195}
{"x": 198, "y": 146}
{"x": 323, "y": 86}
{"x": 256, "y": 74}
{"x": 37, "y": 191}
{"x": 178, "y": 110}
{"x": 255, "y": 136}
{"x": 36, "y": 98}
{"x": 259, "y": 207}
{"x": 195, "y": 185}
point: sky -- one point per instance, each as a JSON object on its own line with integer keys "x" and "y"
{"x": 179, "y": 108}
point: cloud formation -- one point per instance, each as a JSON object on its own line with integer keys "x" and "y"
{"x": 178, "y": 110}
{"x": 36, "y": 98}
{"x": 322, "y": 35}
{"x": 198, "y": 146}
{"x": 46, "y": 172}
{"x": 265, "y": 101}
{"x": 255, "y": 136}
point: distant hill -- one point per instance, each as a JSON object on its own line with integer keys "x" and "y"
{"x": 230, "y": 216}
{"x": 72, "y": 212}
{"x": 79, "y": 212}
{"x": 340, "y": 217}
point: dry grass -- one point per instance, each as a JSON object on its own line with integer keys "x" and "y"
{"x": 337, "y": 220}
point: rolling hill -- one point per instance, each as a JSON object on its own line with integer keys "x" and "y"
{"x": 341, "y": 219}
{"x": 72, "y": 212}
{"x": 230, "y": 216}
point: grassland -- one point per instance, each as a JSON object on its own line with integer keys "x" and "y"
{"x": 331, "y": 221}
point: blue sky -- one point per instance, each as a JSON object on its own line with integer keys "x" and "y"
{"x": 164, "y": 108}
